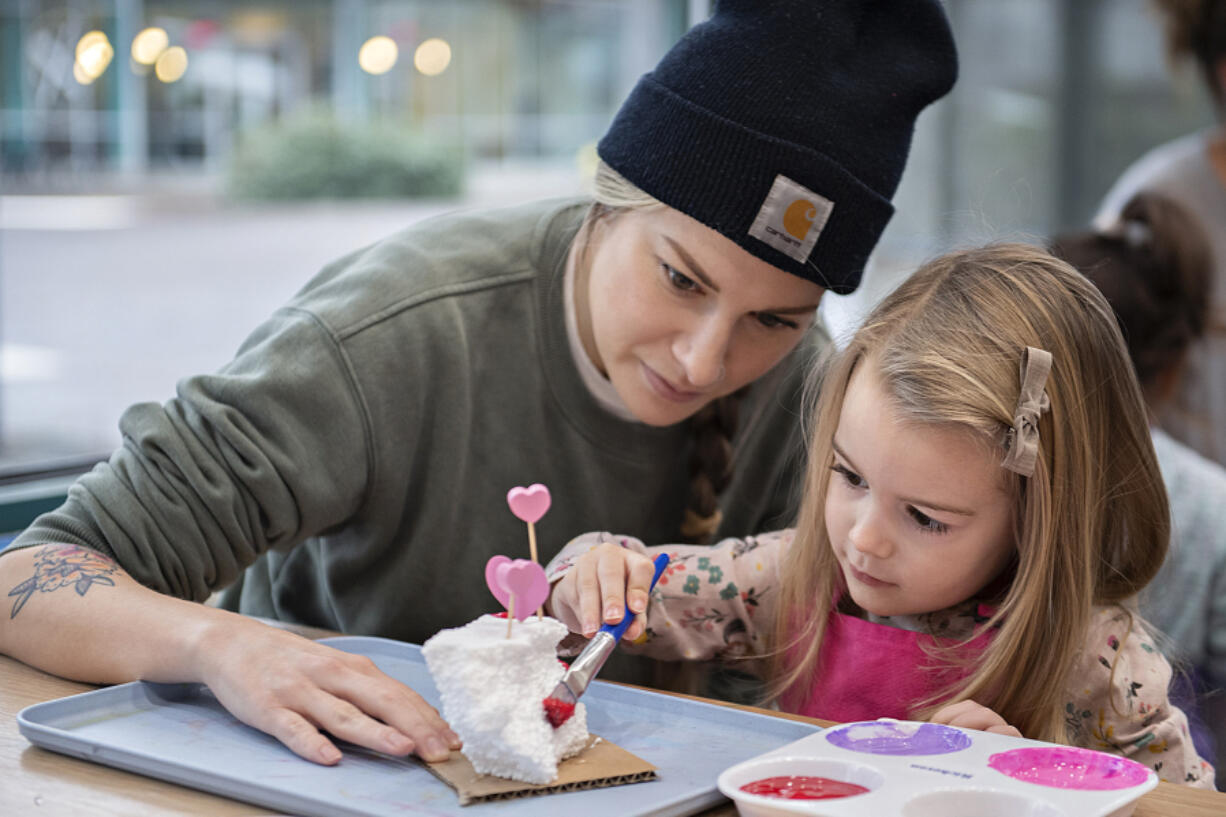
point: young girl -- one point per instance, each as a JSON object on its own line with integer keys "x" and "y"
{"x": 982, "y": 503}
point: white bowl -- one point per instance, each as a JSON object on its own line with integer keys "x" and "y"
{"x": 978, "y": 803}
{"x": 756, "y": 805}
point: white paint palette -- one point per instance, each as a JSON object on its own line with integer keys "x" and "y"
{"x": 914, "y": 769}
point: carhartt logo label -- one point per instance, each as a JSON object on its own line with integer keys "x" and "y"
{"x": 791, "y": 218}
{"x": 798, "y": 218}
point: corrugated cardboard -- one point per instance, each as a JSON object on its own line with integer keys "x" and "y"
{"x": 600, "y": 764}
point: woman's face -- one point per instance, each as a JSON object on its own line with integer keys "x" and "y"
{"x": 676, "y": 315}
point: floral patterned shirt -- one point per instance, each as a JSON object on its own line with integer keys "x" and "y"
{"x": 718, "y": 602}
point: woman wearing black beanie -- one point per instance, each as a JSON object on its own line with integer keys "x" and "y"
{"x": 641, "y": 353}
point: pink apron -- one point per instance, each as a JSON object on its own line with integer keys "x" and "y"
{"x": 871, "y": 671}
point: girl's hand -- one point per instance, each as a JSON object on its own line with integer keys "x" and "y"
{"x": 295, "y": 689}
{"x": 970, "y": 715}
{"x": 607, "y": 578}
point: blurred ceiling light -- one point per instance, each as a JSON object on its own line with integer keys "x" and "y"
{"x": 148, "y": 44}
{"x": 94, "y": 54}
{"x": 378, "y": 55}
{"x": 78, "y": 73}
{"x": 432, "y": 57}
{"x": 171, "y": 64}
{"x": 88, "y": 40}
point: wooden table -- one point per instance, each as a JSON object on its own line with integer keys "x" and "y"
{"x": 35, "y": 781}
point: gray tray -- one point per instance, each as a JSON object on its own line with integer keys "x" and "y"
{"x": 178, "y": 732}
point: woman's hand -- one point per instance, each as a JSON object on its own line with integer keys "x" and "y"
{"x": 295, "y": 689}
{"x": 602, "y": 583}
{"x": 970, "y": 715}
{"x": 113, "y": 629}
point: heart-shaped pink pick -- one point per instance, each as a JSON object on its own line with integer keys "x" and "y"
{"x": 493, "y": 582}
{"x": 529, "y": 504}
{"x": 522, "y": 577}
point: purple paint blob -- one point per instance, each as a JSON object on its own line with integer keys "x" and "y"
{"x": 899, "y": 738}
{"x": 1068, "y": 767}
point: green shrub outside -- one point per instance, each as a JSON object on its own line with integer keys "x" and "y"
{"x": 316, "y": 155}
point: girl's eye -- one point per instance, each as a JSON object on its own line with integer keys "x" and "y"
{"x": 926, "y": 522}
{"x": 850, "y": 477}
{"x": 680, "y": 280}
{"x": 774, "y": 321}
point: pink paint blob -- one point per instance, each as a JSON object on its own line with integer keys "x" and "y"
{"x": 1068, "y": 767}
{"x": 802, "y": 787}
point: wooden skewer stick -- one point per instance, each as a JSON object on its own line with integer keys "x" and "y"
{"x": 510, "y": 614}
{"x": 540, "y": 611}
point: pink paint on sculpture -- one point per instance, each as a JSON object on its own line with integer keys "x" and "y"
{"x": 522, "y": 578}
{"x": 1068, "y": 767}
{"x": 529, "y": 504}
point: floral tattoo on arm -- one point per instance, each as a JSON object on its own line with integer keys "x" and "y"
{"x": 57, "y": 566}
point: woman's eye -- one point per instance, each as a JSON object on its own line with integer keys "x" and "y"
{"x": 926, "y": 522}
{"x": 771, "y": 321}
{"x": 850, "y": 477}
{"x": 680, "y": 280}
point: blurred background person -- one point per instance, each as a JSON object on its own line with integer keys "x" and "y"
{"x": 1192, "y": 170}
{"x": 1154, "y": 266}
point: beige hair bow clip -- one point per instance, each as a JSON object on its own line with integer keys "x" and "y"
{"x": 1022, "y": 442}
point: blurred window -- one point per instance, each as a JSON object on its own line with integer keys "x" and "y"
{"x": 1054, "y": 99}
{"x": 132, "y": 252}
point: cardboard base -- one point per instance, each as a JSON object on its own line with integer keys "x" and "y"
{"x": 598, "y": 765}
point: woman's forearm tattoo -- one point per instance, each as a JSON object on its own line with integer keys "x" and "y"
{"x": 57, "y": 566}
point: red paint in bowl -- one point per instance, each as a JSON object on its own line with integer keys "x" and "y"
{"x": 802, "y": 787}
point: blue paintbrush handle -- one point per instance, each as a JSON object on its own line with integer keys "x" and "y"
{"x": 619, "y": 629}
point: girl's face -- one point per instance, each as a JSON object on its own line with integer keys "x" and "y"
{"x": 676, "y": 315}
{"x": 918, "y": 514}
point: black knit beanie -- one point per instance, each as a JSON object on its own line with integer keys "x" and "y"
{"x": 785, "y": 125}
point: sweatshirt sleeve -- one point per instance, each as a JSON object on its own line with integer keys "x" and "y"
{"x": 1119, "y": 701}
{"x": 712, "y": 601}
{"x": 268, "y": 451}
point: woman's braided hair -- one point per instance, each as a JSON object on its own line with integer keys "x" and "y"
{"x": 712, "y": 428}
{"x": 710, "y": 466}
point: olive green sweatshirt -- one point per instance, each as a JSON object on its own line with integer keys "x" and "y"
{"x": 349, "y": 468}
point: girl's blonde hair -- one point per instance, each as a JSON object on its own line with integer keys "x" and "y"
{"x": 1091, "y": 524}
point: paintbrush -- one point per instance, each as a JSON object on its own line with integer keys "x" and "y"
{"x": 560, "y": 704}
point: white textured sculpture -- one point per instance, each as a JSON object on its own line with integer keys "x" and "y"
{"x": 492, "y": 689}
